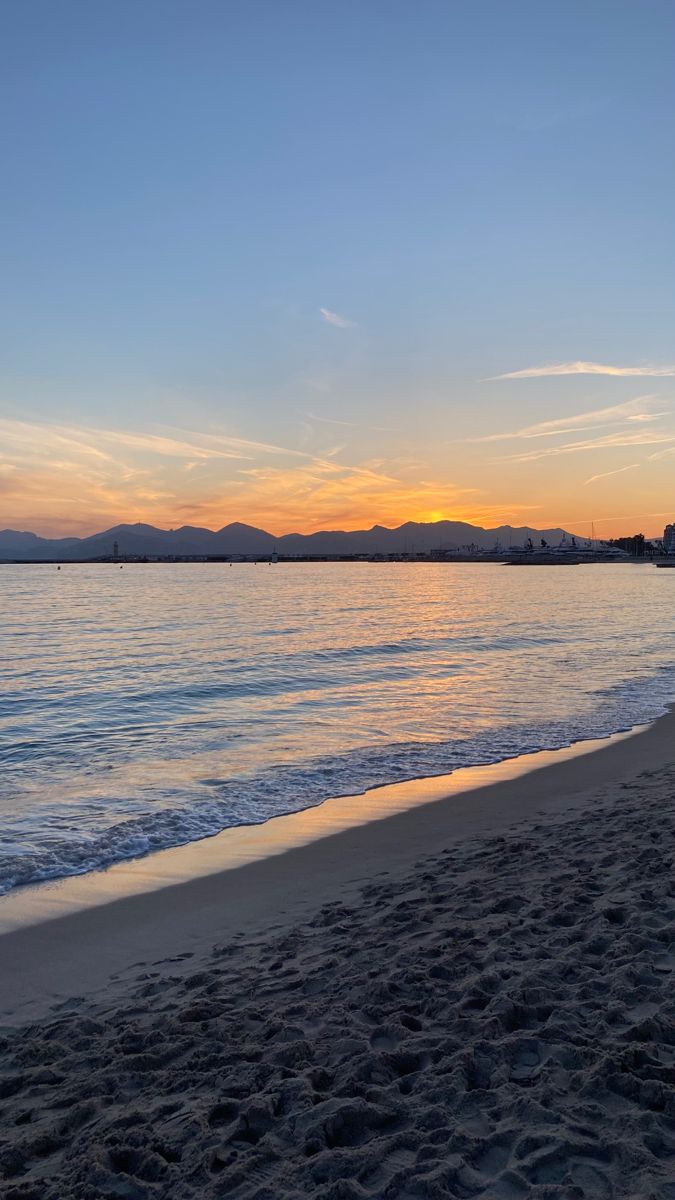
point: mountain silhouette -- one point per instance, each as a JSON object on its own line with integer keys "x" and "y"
{"x": 236, "y": 538}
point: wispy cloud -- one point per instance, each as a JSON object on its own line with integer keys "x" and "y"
{"x": 623, "y": 517}
{"x": 350, "y": 424}
{"x": 336, "y": 319}
{"x": 76, "y": 479}
{"x": 610, "y": 441}
{"x": 618, "y": 471}
{"x": 639, "y": 410}
{"x": 585, "y": 368}
{"x": 179, "y": 446}
{"x": 661, "y": 454}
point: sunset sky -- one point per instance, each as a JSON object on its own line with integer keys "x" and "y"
{"x": 312, "y": 265}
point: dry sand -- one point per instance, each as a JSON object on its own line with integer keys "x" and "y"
{"x": 473, "y": 999}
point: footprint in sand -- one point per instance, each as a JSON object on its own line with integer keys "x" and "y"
{"x": 493, "y": 1158}
{"x": 593, "y": 1181}
{"x": 382, "y": 1039}
{"x": 526, "y": 1062}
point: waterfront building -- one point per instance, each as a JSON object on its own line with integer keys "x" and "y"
{"x": 669, "y": 539}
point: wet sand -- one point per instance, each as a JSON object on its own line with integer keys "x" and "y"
{"x": 473, "y": 997}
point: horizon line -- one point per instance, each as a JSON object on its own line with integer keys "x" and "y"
{"x": 129, "y": 525}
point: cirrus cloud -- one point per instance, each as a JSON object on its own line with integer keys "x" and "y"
{"x": 333, "y": 318}
{"x": 617, "y": 471}
{"x": 58, "y": 479}
{"x": 585, "y": 368}
{"x": 640, "y": 410}
{"x": 609, "y": 441}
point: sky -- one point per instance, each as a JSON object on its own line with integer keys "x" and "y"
{"x": 314, "y": 265}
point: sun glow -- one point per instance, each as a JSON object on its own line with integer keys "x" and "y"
{"x": 432, "y": 515}
{"x": 58, "y": 480}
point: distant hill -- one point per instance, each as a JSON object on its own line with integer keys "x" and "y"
{"x": 246, "y": 539}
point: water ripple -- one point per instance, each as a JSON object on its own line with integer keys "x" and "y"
{"x": 147, "y": 708}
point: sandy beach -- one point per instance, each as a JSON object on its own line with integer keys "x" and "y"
{"x": 337, "y": 639}
{"x": 472, "y": 998}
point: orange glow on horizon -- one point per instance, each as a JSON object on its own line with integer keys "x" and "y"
{"x": 59, "y": 481}
{"x": 46, "y": 522}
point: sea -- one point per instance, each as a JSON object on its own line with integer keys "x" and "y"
{"x": 150, "y": 705}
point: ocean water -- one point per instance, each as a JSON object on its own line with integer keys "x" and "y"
{"x": 151, "y": 706}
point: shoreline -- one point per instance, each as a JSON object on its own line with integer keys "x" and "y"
{"x": 470, "y": 998}
{"x": 280, "y": 869}
{"x": 238, "y": 845}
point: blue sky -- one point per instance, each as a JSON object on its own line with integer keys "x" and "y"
{"x": 466, "y": 189}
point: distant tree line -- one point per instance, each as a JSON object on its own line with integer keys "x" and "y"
{"x": 638, "y": 546}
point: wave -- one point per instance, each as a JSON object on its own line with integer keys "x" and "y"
{"x": 220, "y": 803}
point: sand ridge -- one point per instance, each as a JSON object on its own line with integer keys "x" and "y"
{"x": 497, "y": 1023}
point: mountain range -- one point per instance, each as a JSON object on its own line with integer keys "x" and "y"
{"x": 237, "y": 539}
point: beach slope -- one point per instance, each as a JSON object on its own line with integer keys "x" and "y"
{"x": 495, "y": 1019}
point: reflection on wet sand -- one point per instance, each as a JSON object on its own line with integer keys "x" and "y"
{"x": 251, "y": 843}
